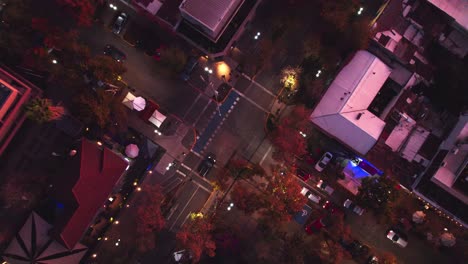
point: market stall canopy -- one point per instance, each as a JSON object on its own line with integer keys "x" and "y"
{"x": 157, "y": 118}
{"x": 132, "y": 151}
{"x": 139, "y": 103}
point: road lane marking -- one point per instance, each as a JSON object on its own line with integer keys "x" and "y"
{"x": 181, "y": 212}
{"x": 251, "y": 101}
{"x": 259, "y": 85}
{"x": 266, "y": 154}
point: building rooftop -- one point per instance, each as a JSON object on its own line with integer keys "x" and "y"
{"x": 342, "y": 111}
{"x": 213, "y": 14}
{"x": 81, "y": 192}
{"x": 457, "y": 9}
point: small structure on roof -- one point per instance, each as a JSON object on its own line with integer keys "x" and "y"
{"x": 342, "y": 111}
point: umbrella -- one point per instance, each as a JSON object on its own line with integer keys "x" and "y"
{"x": 139, "y": 103}
{"x": 447, "y": 239}
{"x": 132, "y": 151}
{"x": 418, "y": 217}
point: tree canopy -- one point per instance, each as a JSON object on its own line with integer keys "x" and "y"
{"x": 377, "y": 193}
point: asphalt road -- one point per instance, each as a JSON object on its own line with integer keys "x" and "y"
{"x": 143, "y": 72}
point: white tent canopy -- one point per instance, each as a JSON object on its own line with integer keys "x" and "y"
{"x": 133, "y": 102}
{"x": 139, "y": 103}
{"x": 132, "y": 151}
{"x": 157, "y": 118}
{"x": 342, "y": 111}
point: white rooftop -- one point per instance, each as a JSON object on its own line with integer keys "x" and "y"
{"x": 457, "y": 158}
{"x": 342, "y": 111}
{"x": 213, "y": 14}
{"x": 458, "y": 9}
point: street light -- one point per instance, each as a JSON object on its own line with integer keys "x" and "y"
{"x": 54, "y": 61}
{"x": 231, "y": 205}
{"x": 210, "y": 71}
{"x": 360, "y": 11}
{"x": 112, "y": 6}
{"x": 257, "y": 35}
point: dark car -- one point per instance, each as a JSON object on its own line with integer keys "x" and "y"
{"x": 304, "y": 175}
{"x": 115, "y": 53}
{"x": 355, "y": 247}
{"x": 191, "y": 64}
{"x": 206, "y": 165}
{"x": 119, "y": 23}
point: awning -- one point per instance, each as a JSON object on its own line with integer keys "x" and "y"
{"x": 139, "y": 103}
{"x": 157, "y": 118}
{"x": 128, "y": 100}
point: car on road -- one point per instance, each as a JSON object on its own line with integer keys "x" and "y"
{"x": 119, "y": 23}
{"x": 325, "y": 187}
{"x": 397, "y": 238}
{"x": 323, "y": 162}
{"x": 206, "y": 165}
{"x": 353, "y": 207}
{"x": 313, "y": 197}
{"x": 304, "y": 175}
{"x": 115, "y": 53}
{"x": 189, "y": 66}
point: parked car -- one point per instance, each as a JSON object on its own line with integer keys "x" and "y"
{"x": 304, "y": 175}
{"x": 115, "y": 53}
{"x": 353, "y": 207}
{"x": 372, "y": 260}
{"x": 205, "y": 166}
{"x": 355, "y": 247}
{"x": 324, "y": 186}
{"x": 323, "y": 162}
{"x": 397, "y": 238}
{"x": 313, "y": 197}
{"x": 119, "y": 23}
{"x": 317, "y": 224}
{"x": 191, "y": 64}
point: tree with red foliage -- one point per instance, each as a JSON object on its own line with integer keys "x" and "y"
{"x": 288, "y": 141}
{"x": 196, "y": 237}
{"x": 149, "y": 217}
{"x": 246, "y": 198}
{"x": 283, "y": 196}
{"x": 82, "y": 10}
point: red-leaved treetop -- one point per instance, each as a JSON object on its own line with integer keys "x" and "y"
{"x": 149, "y": 218}
{"x": 287, "y": 138}
{"x": 82, "y": 10}
{"x": 283, "y": 197}
{"x": 195, "y": 237}
{"x": 246, "y": 198}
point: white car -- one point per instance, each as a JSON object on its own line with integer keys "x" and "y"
{"x": 313, "y": 197}
{"x": 322, "y": 185}
{"x": 324, "y": 160}
{"x": 353, "y": 207}
{"x": 396, "y": 238}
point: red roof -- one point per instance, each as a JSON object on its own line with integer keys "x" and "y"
{"x": 100, "y": 169}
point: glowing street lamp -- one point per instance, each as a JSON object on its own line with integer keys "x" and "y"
{"x": 257, "y": 35}
{"x": 112, "y": 6}
{"x": 208, "y": 70}
{"x": 231, "y": 205}
{"x": 54, "y": 61}
{"x": 360, "y": 11}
